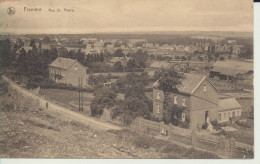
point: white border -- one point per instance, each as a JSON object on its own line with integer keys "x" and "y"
{"x": 256, "y": 160}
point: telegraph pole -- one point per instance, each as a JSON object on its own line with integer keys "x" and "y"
{"x": 80, "y": 95}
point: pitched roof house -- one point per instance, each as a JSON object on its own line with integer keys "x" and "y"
{"x": 201, "y": 101}
{"x": 231, "y": 68}
{"x": 68, "y": 71}
{"x": 156, "y": 65}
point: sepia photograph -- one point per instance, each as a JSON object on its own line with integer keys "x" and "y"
{"x": 127, "y": 79}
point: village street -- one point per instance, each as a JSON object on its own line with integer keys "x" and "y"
{"x": 63, "y": 112}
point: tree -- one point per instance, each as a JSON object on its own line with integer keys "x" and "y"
{"x": 119, "y": 53}
{"x": 32, "y": 43}
{"x": 168, "y": 79}
{"x": 46, "y": 39}
{"x": 140, "y": 58}
{"x": 229, "y": 56}
{"x": 104, "y": 98}
{"x": 136, "y": 102}
{"x": 101, "y": 57}
{"x": 40, "y": 46}
{"x": 231, "y": 50}
{"x": 131, "y": 64}
{"x": 246, "y": 51}
{"x": 118, "y": 66}
{"x": 173, "y": 114}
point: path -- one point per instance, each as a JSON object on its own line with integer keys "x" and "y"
{"x": 63, "y": 111}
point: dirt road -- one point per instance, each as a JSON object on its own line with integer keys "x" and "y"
{"x": 63, "y": 111}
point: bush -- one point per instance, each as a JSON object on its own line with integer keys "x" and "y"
{"x": 186, "y": 123}
{"x": 143, "y": 142}
{"x": 222, "y": 58}
{"x": 48, "y": 84}
{"x": 205, "y": 125}
{"x": 154, "y": 118}
{"x": 244, "y": 124}
{"x": 215, "y": 124}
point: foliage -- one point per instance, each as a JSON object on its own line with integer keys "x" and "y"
{"x": 136, "y": 103}
{"x": 172, "y": 114}
{"x": 186, "y": 123}
{"x": 245, "y": 124}
{"x": 141, "y": 141}
{"x": 205, "y": 125}
{"x": 104, "y": 98}
{"x": 200, "y": 58}
{"x": 118, "y": 66}
{"x": 246, "y": 51}
{"x": 222, "y": 58}
{"x": 58, "y": 76}
{"x": 215, "y": 124}
{"x": 168, "y": 79}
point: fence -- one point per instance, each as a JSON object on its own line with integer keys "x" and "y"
{"x": 187, "y": 136}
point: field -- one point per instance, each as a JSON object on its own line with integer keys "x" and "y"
{"x": 66, "y": 98}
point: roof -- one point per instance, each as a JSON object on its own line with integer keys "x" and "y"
{"x": 232, "y": 67}
{"x": 189, "y": 84}
{"x": 159, "y": 64}
{"x": 63, "y": 63}
{"x": 228, "y": 104}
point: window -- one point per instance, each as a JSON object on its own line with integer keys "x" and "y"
{"x": 175, "y": 100}
{"x": 183, "y": 117}
{"x": 229, "y": 114}
{"x": 158, "y": 109}
{"x": 76, "y": 68}
{"x": 204, "y": 88}
{"x": 158, "y": 96}
{"x": 237, "y": 113}
{"x": 183, "y": 102}
{"x": 219, "y": 117}
{"x": 224, "y": 115}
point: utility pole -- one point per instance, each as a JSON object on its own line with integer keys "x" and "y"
{"x": 80, "y": 95}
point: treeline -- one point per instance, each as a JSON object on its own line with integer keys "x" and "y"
{"x": 31, "y": 67}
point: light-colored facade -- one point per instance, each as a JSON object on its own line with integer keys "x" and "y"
{"x": 200, "y": 99}
{"x": 68, "y": 71}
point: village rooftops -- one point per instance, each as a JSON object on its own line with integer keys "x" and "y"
{"x": 189, "y": 84}
{"x": 63, "y": 63}
{"x": 232, "y": 67}
{"x": 228, "y": 103}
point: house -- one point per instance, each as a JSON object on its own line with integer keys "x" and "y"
{"x": 157, "y": 65}
{"x": 228, "y": 69}
{"x": 123, "y": 60}
{"x": 68, "y": 71}
{"x": 201, "y": 101}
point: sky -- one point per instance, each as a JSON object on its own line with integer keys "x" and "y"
{"x": 91, "y": 16}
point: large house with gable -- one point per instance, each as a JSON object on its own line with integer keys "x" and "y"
{"x": 68, "y": 71}
{"x": 202, "y": 102}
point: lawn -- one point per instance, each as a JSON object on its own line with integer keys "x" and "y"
{"x": 67, "y": 98}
